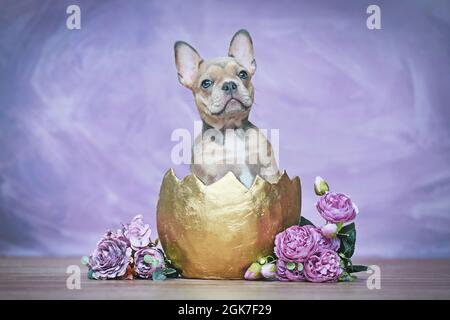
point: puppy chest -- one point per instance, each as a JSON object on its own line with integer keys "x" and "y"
{"x": 231, "y": 147}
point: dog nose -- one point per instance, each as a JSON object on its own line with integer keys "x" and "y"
{"x": 229, "y": 87}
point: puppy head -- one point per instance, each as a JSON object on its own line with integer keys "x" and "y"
{"x": 222, "y": 86}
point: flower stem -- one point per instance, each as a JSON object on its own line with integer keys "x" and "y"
{"x": 343, "y": 234}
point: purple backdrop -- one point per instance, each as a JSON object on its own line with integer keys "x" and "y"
{"x": 86, "y": 115}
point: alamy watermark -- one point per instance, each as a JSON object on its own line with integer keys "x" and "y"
{"x": 73, "y": 21}
{"x": 73, "y": 281}
{"x": 374, "y": 280}
{"x": 229, "y": 146}
{"x": 373, "y": 22}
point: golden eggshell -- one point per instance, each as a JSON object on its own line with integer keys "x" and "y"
{"x": 216, "y": 231}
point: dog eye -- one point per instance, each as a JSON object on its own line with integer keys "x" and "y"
{"x": 243, "y": 75}
{"x": 206, "y": 83}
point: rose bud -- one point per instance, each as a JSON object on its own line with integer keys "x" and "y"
{"x": 329, "y": 230}
{"x": 253, "y": 272}
{"x": 269, "y": 271}
{"x": 320, "y": 186}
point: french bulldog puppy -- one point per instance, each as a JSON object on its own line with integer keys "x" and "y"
{"x": 224, "y": 95}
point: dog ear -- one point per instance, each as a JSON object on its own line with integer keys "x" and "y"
{"x": 241, "y": 48}
{"x": 187, "y": 61}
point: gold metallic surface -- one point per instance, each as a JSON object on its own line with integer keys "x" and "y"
{"x": 216, "y": 231}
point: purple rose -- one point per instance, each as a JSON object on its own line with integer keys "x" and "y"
{"x": 289, "y": 271}
{"x": 137, "y": 233}
{"x": 147, "y": 261}
{"x": 111, "y": 257}
{"x": 323, "y": 266}
{"x": 323, "y": 242}
{"x": 295, "y": 243}
{"x": 336, "y": 207}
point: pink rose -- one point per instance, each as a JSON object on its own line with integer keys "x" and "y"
{"x": 295, "y": 243}
{"x": 336, "y": 207}
{"x": 323, "y": 266}
{"x": 111, "y": 257}
{"x": 147, "y": 261}
{"x": 323, "y": 242}
{"x": 137, "y": 233}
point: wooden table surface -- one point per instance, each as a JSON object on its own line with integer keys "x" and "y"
{"x": 45, "y": 278}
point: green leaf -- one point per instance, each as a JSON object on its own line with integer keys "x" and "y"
{"x": 158, "y": 275}
{"x": 356, "y": 268}
{"x": 85, "y": 260}
{"x": 347, "y": 236}
{"x": 90, "y": 275}
{"x": 346, "y": 277}
{"x": 176, "y": 274}
{"x": 305, "y": 222}
{"x": 348, "y": 228}
{"x": 169, "y": 271}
